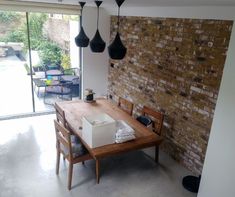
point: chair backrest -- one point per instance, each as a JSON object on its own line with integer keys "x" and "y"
{"x": 156, "y": 117}
{"x": 125, "y": 105}
{"x": 60, "y": 115}
{"x": 62, "y": 137}
{"x": 72, "y": 71}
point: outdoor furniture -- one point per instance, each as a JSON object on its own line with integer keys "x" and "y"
{"x": 75, "y": 110}
{"x": 53, "y": 71}
{"x": 41, "y": 83}
{"x": 74, "y": 80}
{"x": 72, "y": 152}
{"x": 61, "y": 89}
{"x": 125, "y": 105}
{"x": 72, "y": 74}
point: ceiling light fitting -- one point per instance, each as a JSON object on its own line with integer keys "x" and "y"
{"x": 97, "y": 44}
{"x": 116, "y": 49}
{"x": 81, "y": 39}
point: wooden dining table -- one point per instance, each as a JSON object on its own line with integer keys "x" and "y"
{"x": 75, "y": 110}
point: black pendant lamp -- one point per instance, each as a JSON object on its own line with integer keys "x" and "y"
{"x": 97, "y": 44}
{"x": 81, "y": 39}
{"x": 116, "y": 49}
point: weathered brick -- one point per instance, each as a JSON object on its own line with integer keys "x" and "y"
{"x": 174, "y": 66}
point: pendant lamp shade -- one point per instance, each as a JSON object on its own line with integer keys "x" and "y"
{"x": 97, "y": 44}
{"x": 81, "y": 39}
{"x": 116, "y": 49}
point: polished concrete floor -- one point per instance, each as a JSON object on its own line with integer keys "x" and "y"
{"x": 27, "y": 168}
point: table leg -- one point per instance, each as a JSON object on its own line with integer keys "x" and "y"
{"x": 97, "y": 165}
{"x": 156, "y": 154}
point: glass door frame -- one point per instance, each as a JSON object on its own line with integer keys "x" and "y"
{"x": 48, "y": 111}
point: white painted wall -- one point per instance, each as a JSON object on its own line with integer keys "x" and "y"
{"x": 95, "y": 65}
{"x": 218, "y": 177}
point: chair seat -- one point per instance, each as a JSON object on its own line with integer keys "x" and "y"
{"x": 58, "y": 90}
{"x": 77, "y": 148}
{"x": 72, "y": 78}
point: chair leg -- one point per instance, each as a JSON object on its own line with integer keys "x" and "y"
{"x": 70, "y": 175}
{"x": 57, "y": 162}
{"x": 156, "y": 154}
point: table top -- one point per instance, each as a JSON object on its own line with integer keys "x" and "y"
{"x": 54, "y": 72}
{"x": 75, "y": 110}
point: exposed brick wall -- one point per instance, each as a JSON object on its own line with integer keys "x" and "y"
{"x": 175, "y": 66}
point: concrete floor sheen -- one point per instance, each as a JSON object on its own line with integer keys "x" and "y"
{"x": 27, "y": 168}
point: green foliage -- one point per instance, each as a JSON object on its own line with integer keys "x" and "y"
{"x": 36, "y": 21}
{"x": 14, "y": 36}
{"x": 65, "y": 61}
{"x": 50, "y": 53}
{"x": 7, "y": 17}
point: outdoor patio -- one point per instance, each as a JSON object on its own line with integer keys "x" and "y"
{"x": 16, "y": 93}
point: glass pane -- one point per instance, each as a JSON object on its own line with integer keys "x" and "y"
{"x": 54, "y": 53}
{"x": 15, "y": 82}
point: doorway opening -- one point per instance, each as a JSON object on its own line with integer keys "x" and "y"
{"x": 38, "y": 55}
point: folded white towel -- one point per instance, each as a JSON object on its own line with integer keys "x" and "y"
{"x": 125, "y": 132}
{"x": 125, "y": 139}
{"x": 124, "y": 135}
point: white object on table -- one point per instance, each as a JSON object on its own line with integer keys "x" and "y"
{"x": 98, "y": 130}
{"x": 124, "y": 132}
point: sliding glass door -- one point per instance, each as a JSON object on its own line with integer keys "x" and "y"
{"x": 32, "y": 45}
{"x": 15, "y": 86}
{"x": 53, "y": 54}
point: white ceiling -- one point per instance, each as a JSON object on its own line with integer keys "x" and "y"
{"x": 150, "y": 3}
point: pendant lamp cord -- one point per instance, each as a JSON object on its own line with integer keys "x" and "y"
{"x": 98, "y": 14}
{"x": 118, "y": 22}
{"x": 81, "y": 18}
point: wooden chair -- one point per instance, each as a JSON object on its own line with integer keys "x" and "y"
{"x": 60, "y": 115}
{"x": 125, "y": 105}
{"x": 156, "y": 117}
{"x": 72, "y": 152}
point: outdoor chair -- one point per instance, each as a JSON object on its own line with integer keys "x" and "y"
{"x": 72, "y": 152}
{"x": 72, "y": 75}
{"x": 62, "y": 90}
{"x": 53, "y": 71}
